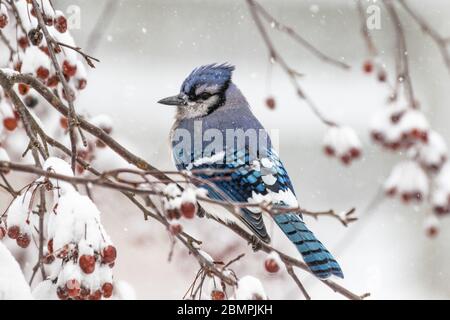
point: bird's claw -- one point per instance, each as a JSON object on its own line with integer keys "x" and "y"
{"x": 256, "y": 243}
{"x": 201, "y": 212}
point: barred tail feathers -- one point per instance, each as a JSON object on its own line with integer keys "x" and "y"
{"x": 316, "y": 256}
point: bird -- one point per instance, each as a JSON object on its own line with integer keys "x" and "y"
{"x": 214, "y": 136}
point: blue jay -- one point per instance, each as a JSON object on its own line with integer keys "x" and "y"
{"x": 209, "y": 105}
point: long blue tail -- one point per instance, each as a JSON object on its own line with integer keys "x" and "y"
{"x": 316, "y": 256}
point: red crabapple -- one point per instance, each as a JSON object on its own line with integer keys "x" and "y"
{"x": 42, "y": 73}
{"x": 82, "y": 83}
{"x": 173, "y": 214}
{"x": 23, "y": 42}
{"x": 217, "y": 295}
{"x": 271, "y": 265}
{"x": 53, "y": 81}
{"x": 107, "y": 290}
{"x": 382, "y": 76}
{"x": 23, "y": 240}
{"x": 432, "y": 231}
{"x": 49, "y": 258}
{"x": 23, "y": 88}
{"x": 60, "y": 24}
{"x": 368, "y": 66}
{"x": 10, "y": 124}
{"x": 175, "y": 228}
{"x": 73, "y": 288}
{"x": 13, "y": 232}
{"x": 64, "y": 123}
{"x": 84, "y": 293}
{"x": 97, "y": 295}
{"x": 188, "y": 210}
{"x": 109, "y": 254}
{"x": 87, "y": 264}
{"x": 50, "y": 246}
{"x": 271, "y": 103}
{"x": 62, "y": 293}
{"x": 329, "y": 151}
{"x": 48, "y": 20}
{"x": 69, "y": 69}
{"x": 3, "y": 21}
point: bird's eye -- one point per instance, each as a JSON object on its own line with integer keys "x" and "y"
{"x": 205, "y": 96}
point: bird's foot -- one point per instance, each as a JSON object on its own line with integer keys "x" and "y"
{"x": 201, "y": 212}
{"x": 256, "y": 243}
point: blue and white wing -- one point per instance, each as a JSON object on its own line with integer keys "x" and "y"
{"x": 241, "y": 179}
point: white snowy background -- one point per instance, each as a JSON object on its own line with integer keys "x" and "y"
{"x": 152, "y": 45}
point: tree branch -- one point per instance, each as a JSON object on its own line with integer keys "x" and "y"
{"x": 277, "y": 58}
{"x": 441, "y": 42}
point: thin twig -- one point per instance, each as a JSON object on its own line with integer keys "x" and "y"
{"x": 298, "y": 38}
{"x": 72, "y": 117}
{"x": 291, "y": 272}
{"x": 441, "y": 42}
{"x": 277, "y": 58}
{"x": 402, "y": 61}
{"x": 345, "y": 218}
{"x": 86, "y": 57}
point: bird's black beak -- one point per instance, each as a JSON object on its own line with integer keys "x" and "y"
{"x": 173, "y": 101}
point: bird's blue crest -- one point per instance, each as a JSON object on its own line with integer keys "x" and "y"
{"x": 212, "y": 74}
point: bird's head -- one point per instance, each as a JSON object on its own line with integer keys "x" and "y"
{"x": 202, "y": 92}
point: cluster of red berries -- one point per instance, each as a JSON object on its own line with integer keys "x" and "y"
{"x": 407, "y": 129}
{"x": 399, "y": 129}
{"x": 179, "y": 205}
{"x": 408, "y": 181}
{"x": 78, "y": 246}
{"x": 373, "y": 67}
{"x": 39, "y": 62}
{"x": 17, "y": 224}
{"x": 342, "y": 143}
{"x": 22, "y": 237}
{"x": 33, "y": 57}
{"x": 86, "y": 273}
